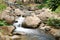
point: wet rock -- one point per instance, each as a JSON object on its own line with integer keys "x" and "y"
{"x": 7, "y": 30}
{"x": 3, "y": 14}
{"x": 31, "y": 21}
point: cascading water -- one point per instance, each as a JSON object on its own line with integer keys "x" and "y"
{"x": 32, "y": 34}
{"x": 19, "y": 28}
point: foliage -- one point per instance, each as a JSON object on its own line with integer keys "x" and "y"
{"x": 40, "y": 6}
{"x": 37, "y": 1}
{"x": 2, "y": 7}
{"x": 53, "y": 4}
{"x": 57, "y": 10}
{"x": 53, "y": 22}
{"x": 43, "y": 4}
{"x": 3, "y": 23}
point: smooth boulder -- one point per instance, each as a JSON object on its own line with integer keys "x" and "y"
{"x": 31, "y": 21}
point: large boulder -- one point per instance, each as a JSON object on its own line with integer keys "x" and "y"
{"x": 31, "y": 21}
{"x": 7, "y": 30}
{"x": 9, "y": 19}
{"x": 4, "y": 13}
{"x": 45, "y": 14}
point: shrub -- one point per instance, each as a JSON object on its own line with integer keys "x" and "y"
{"x": 57, "y": 10}
{"x": 2, "y": 7}
{"x": 53, "y": 22}
{"x": 40, "y": 6}
{"x": 53, "y": 4}
{"x": 3, "y": 23}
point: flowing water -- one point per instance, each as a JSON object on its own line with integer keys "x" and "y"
{"x": 31, "y": 34}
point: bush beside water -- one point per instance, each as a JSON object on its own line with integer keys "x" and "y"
{"x": 53, "y": 22}
{"x": 3, "y": 23}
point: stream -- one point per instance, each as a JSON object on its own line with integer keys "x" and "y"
{"x": 31, "y": 34}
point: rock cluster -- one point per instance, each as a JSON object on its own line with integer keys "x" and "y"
{"x": 53, "y": 31}
{"x": 33, "y": 21}
{"x": 6, "y": 33}
{"x": 9, "y": 15}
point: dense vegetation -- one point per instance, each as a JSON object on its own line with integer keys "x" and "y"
{"x": 53, "y": 22}
{"x": 52, "y": 4}
{"x": 2, "y": 7}
{"x": 3, "y": 23}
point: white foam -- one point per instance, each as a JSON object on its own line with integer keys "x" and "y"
{"x": 20, "y": 28}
